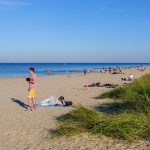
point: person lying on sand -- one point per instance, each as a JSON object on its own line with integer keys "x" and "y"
{"x": 117, "y": 71}
{"x": 54, "y": 101}
{"x": 109, "y": 85}
{"x": 98, "y": 84}
{"x": 130, "y": 78}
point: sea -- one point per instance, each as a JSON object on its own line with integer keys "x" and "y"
{"x": 21, "y": 69}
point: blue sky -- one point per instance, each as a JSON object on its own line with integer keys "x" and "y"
{"x": 74, "y": 30}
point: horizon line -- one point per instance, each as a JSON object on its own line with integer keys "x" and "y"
{"x": 78, "y": 62}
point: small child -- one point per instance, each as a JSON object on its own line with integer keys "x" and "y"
{"x": 32, "y": 89}
{"x": 28, "y": 79}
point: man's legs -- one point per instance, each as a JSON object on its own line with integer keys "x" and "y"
{"x": 30, "y": 103}
{"x": 31, "y": 99}
{"x": 33, "y": 102}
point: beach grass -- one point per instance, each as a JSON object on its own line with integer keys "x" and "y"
{"x": 136, "y": 95}
{"x": 77, "y": 121}
{"x": 132, "y": 122}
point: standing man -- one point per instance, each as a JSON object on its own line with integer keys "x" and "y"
{"x": 85, "y": 71}
{"x": 32, "y": 89}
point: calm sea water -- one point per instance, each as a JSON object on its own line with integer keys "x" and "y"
{"x": 21, "y": 69}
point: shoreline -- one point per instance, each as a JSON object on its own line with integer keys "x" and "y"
{"x": 74, "y": 72}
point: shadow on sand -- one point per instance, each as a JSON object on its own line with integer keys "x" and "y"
{"x": 112, "y": 108}
{"x": 20, "y": 103}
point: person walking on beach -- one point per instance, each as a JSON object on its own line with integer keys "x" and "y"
{"x": 109, "y": 70}
{"x": 85, "y": 71}
{"x": 119, "y": 68}
{"x": 32, "y": 89}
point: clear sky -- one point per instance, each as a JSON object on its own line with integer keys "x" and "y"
{"x": 74, "y": 30}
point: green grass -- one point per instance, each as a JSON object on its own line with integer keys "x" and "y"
{"x": 136, "y": 95}
{"x": 125, "y": 126}
{"x": 132, "y": 122}
{"x": 77, "y": 121}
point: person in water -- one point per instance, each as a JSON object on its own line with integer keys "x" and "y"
{"x": 32, "y": 89}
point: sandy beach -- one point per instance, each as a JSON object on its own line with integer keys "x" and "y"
{"x": 23, "y": 130}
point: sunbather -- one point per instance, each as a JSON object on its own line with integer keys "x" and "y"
{"x": 109, "y": 85}
{"x": 98, "y": 84}
{"x": 130, "y": 78}
{"x": 55, "y": 101}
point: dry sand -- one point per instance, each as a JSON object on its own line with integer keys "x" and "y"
{"x": 23, "y": 130}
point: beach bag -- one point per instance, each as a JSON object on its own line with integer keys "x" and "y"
{"x": 68, "y": 103}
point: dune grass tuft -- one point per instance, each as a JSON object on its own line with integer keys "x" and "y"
{"x": 125, "y": 126}
{"x": 77, "y": 121}
{"x": 132, "y": 122}
{"x": 136, "y": 95}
